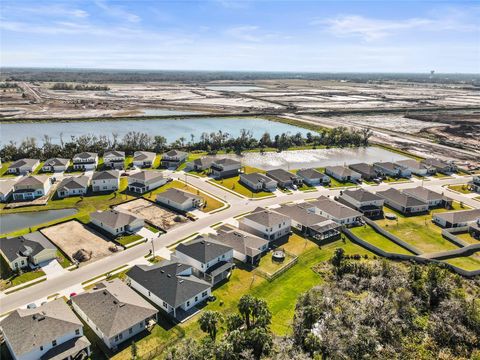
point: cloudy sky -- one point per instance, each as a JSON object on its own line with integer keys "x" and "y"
{"x": 318, "y": 36}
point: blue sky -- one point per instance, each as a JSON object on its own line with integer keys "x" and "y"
{"x": 317, "y": 36}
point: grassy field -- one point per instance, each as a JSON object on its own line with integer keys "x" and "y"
{"x": 471, "y": 262}
{"x": 468, "y": 238}
{"x": 368, "y": 234}
{"x": 38, "y": 168}
{"x": 233, "y": 184}
{"x": 128, "y": 239}
{"x": 462, "y": 188}
{"x": 4, "y": 168}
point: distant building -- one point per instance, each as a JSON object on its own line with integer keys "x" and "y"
{"x": 343, "y": 174}
{"x": 143, "y": 159}
{"x": 73, "y": 186}
{"x": 475, "y": 183}
{"x": 284, "y": 178}
{"x": 441, "y": 166}
{"x": 416, "y": 167}
{"x": 145, "y": 181}
{"x": 313, "y": 177}
{"x": 55, "y": 165}
{"x": 392, "y": 169}
{"x": 31, "y": 187}
{"x": 265, "y": 223}
{"x": 85, "y": 161}
{"x": 108, "y": 180}
{"x": 114, "y": 159}
{"x": 116, "y": 222}
{"x": 258, "y": 182}
{"x": 224, "y": 168}
{"x": 23, "y": 166}
{"x": 179, "y": 200}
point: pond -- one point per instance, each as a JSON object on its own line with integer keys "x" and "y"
{"x": 298, "y": 159}
{"x": 235, "y": 88}
{"x": 172, "y": 129}
{"x": 17, "y": 221}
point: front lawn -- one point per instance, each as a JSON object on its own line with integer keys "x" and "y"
{"x": 233, "y": 184}
{"x": 368, "y": 234}
{"x": 128, "y": 239}
{"x": 63, "y": 260}
{"x": 10, "y": 279}
{"x": 462, "y": 188}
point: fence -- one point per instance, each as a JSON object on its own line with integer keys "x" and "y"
{"x": 449, "y": 234}
{"x": 276, "y": 274}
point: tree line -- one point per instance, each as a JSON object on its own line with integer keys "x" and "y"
{"x": 209, "y": 142}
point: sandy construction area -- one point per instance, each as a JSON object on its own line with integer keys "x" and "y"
{"x": 153, "y": 213}
{"x": 73, "y": 236}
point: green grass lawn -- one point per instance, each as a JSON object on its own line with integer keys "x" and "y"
{"x": 368, "y": 234}
{"x": 10, "y": 279}
{"x": 395, "y": 180}
{"x": 191, "y": 157}
{"x": 152, "y": 229}
{"x": 128, "y": 161}
{"x": 156, "y": 161}
{"x": 38, "y": 168}
{"x": 4, "y": 168}
{"x": 462, "y": 188}
{"x": 233, "y": 184}
{"x": 468, "y": 238}
{"x": 128, "y": 239}
{"x": 441, "y": 176}
{"x": 270, "y": 266}
{"x": 63, "y": 260}
{"x": 471, "y": 262}
{"x": 100, "y": 164}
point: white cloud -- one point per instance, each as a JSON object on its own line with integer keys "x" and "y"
{"x": 118, "y": 11}
{"x": 245, "y": 33}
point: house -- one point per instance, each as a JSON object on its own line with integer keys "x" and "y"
{"x": 85, "y": 161}
{"x": 114, "y": 159}
{"x": 454, "y": 219}
{"x": 144, "y": 181}
{"x": 55, "y": 165}
{"x": 367, "y": 171}
{"x": 335, "y": 211}
{"x": 108, "y": 180}
{"x": 180, "y": 200}
{"x": 6, "y": 189}
{"x": 258, "y": 182}
{"x": 50, "y": 331}
{"x": 416, "y": 167}
{"x": 224, "y": 168}
{"x": 404, "y": 203}
{"x": 265, "y": 223}
{"x": 343, "y": 174}
{"x": 73, "y": 186}
{"x": 169, "y": 285}
{"x": 143, "y": 159}
{"x": 31, "y": 187}
{"x": 475, "y": 184}
{"x": 391, "y": 169}
{"x": 368, "y": 203}
{"x": 173, "y": 158}
{"x": 211, "y": 260}
{"x": 199, "y": 164}
{"x": 25, "y": 250}
{"x": 246, "y": 247}
{"x": 116, "y": 222}
{"x": 432, "y": 198}
{"x": 313, "y": 177}
{"x": 23, "y": 166}
{"x": 308, "y": 223}
{"x": 441, "y": 166}
{"x": 284, "y": 178}
{"x": 114, "y": 312}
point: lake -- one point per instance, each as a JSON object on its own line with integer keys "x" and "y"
{"x": 172, "y": 129}
{"x": 18, "y": 221}
{"x": 299, "y": 159}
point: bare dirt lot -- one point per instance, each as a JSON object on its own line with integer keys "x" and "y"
{"x": 153, "y": 213}
{"x": 73, "y": 236}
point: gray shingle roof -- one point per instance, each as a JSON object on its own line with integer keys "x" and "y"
{"x": 281, "y": 175}
{"x": 114, "y": 153}
{"x": 25, "y": 245}
{"x": 32, "y": 180}
{"x": 400, "y": 198}
{"x": 147, "y": 176}
{"x": 389, "y": 165}
{"x": 310, "y": 174}
{"x": 114, "y": 307}
{"x": 174, "y": 153}
{"x": 256, "y": 177}
{"x": 266, "y": 217}
{"x": 56, "y": 162}
{"x": 226, "y": 162}
{"x": 300, "y": 214}
{"x": 27, "y": 329}
{"x": 114, "y": 218}
{"x": 362, "y": 195}
{"x": 341, "y": 171}
{"x": 144, "y": 156}
{"x": 241, "y": 241}
{"x": 363, "y": 168}
{"x": 85, "y": 155}
{"x": 459, "y": 216}
{"x": 106, "y": 175}
{"x": 203, "y": 249}
{"x": 6, "y": 186}
{"x": 23, "y": 163}
{"x": 335, "y": 209}
{"x": 165, "y": 281}
{"x": 424, "y": 194}
{"x": 74, "y": 182}
{"x": 177, "y": 196}
{"x": 412, "y": 164}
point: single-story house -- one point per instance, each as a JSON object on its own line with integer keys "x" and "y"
{"x": 169, "y": 285}
{"x": 432, "y": 198}
{"x": 180, "y": 200}
{"x": 246, "y": 247}
{"x": 313, "y": 177}
{"x": 116, "y": 222}
{"x": 199, "y": 164}
{"x": 402, "y": 202}
{"x": 30, "y": 249}
{"x": 31, "y": 187}
{"x": 341, "y": 214}
{"x": 211, "y": 260}
{"x": 284, "y": 178}
{"x": 114, "y": 159}
{"x": 6, "y": 189}
{"x": 454, "y": 219}
{"x": 114, "y": 312}
{"x": 50, "y": 331}
{"x": 343, "y": 174}
{"x": 143, "y": 159}
{"x": 475, "y": 183}
{"x": 416, "y": 167}
{"x": 258, "y": 182}
{"x": 367, "y": 171}
{"x": 392, "y": 169}
{"x": 265, "y": 223}
{"x": 55, "y": 165}
{"x": 441, "y": 166}
{"x": 223, "y": 168}
{"x": 144, "y": 181}
{"x": 173, "y": 158}
{"x": 368, "y": 203}
{"x": 23, "y": 166}
{"x": 73, "y": 186}
{"x": 108, "y": 180}
{"x": 85, "y": 161}
{"x": 309, "y": 223}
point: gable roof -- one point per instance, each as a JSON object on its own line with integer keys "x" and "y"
{"x": 389, "y": 165}
{"x": 166, "y": 281}
{"x": 400, "y": 198}
{"x": 114, "y": 153}
{"x": 241, "y": 241}
{"x": 203, "y": 161}
{"x": 114, "y": 307}
{"x": 226, "y": 162}
{"x": 266, "y": 217}
{"x": 281, "y": 175}
{"x": 114, "y": 218}
{"x": 56, "y": 162}
{"x": 106, "y": 175}
{"x": 412, "y": 164}
{"x": 85, "y": 155}
{"x": 334, "y": 209}
{"x": 23, "y": 163}
{"x": 74, "y": 182}
{"x": 25, "y": 245}
{"x": 341, "y": 171}
{"x": 256, "y": 177}
{"x": 424, "y": 194}
{"x": 362, "y": 195}
{"x": 32, "y": 180}
{"x": 146, "y": 176}
{"x": 363, "y": 168}
{"x": 27, "y": 329}
{"x": 310, "y": 174}
{"x": 300, "y": 214}
{"x": 174, "y": 152}
{"x": 144, "y": 156}
{"x": 203, "y": 249}
{"x": 6, "y": 186}
{"x": 177, "y": 196}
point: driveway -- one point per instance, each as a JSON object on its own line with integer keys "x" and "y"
{"x": 53, "y": 269}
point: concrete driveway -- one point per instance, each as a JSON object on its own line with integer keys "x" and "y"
{"x": 53, "y": 269}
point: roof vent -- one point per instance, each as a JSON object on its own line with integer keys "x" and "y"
{"x": 162, "y": 271}
{"x": 115, "y": 302}
{"x": 181, "y": 281}
{"x": 168, "y": 275}
{"x": 121, "y": 305}
{"x": 104, "y": 292}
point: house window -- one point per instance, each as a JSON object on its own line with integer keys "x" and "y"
{"x": 279, "y": 226}
{"x": 116, "y": 338}
{"x": 204, "y": 293}
{"x": 149, "y": 293}
{"x": 120, "y": 336}
{"x": 196, "y": 298}
{"x": 130, "y": 330}
{"x": 77, "y": 332}
{"x": 188, "y": 303}
{"x": 54, "y": 343}
{"x": 41, "y": 348}
{"x": 165, "y": 305}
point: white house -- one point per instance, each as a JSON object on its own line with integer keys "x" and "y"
{"x": 335, "y": 211}
{"x": 23, "y": 166}
{"x": 179, "y": 200}
{"x": 73, "y": 186}
{"x": 143, "y": 159}
{"x": 114, "y": 159}
{"x": 368, "y": 203}
{"x": 55, "y": 165}
{"x": 416, "y": 167}
{"x": 108, "y": 180}
{"x": 313, "y": 177}
{"x": 432, "y": 198}
{"x": 31, "y": 187}
{"x": 173, "y": 158}
{"x": 266, "y": 224}
{"x": 144, "y": 181}
{"x": 114, "y": 312}
{"x": 116, "y": 222}
{"x": 85, "y": 161}
{"x": 6, "y": 189}
{"x": 454, "y": 219}
{"x": 169, "y": 285}
{"x": 392, "y": 169}
{"x": 258, "y": 182}
{"x": 50, "y": 331}
{"x": 403, "y": 202}
{"x": 343, "y": 174}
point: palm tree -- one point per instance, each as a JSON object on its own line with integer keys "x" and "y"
{"x": 209, "y": 323}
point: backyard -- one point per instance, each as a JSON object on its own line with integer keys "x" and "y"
{"x": 233, "y": 184}
{"x": 368, "y": 234}
{"x": 471, "y": 262}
